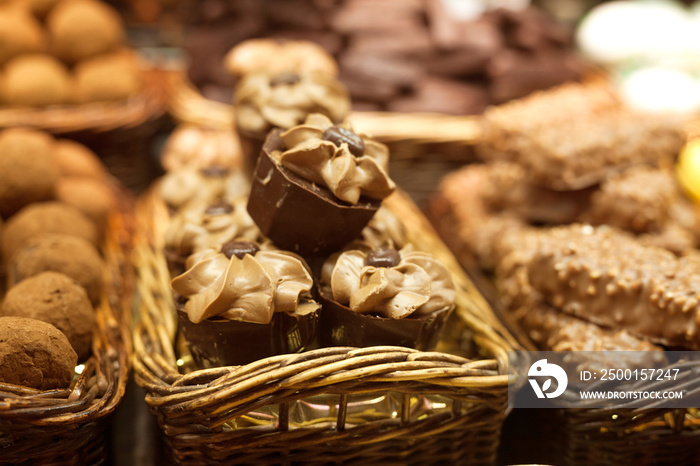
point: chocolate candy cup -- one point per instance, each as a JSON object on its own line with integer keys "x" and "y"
{"x": 251, "y": 146}
{"x": 340, "y": 326}
{"x": 224, "y": 342}
{"x": 299, "y": 215}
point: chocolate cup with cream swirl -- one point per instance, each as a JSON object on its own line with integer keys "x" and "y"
{"x": 302, "y": 215}
{"x": 245, "y": 302}
{"x": 384, "y": 297}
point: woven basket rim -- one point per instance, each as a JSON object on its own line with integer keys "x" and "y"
{"x": 156, "y": 363}
{"x": 97, "y": 117}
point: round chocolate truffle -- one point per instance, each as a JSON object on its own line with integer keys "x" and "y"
{"x": 81, "y": 29}
{"x": 69, "y": 255}
{"x": 111, "y": 77}
{"x": 59, "y": 300}
{"x": 20, "y": 33}
{"x": 36, "y": 80}
{"x": 46, "y": 217}
{"x": 27, "y": 171}
{"x": 35, "y": 354}
{"x": 92, "y": 197}
{"x": 75, "y": 159}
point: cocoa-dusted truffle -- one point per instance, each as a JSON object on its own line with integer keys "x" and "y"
{"x": 69, "y": 255}
{"x": 27, "y": 171}
{"x": 80, "y": 29}
{"x": 111, "y": 77}
{"x": 35, "y": 354}
{"x": 59, "y": 300}
{"x": 36, "y": 80}
{"x": 46, "y": 217}
{"x": 76, "y": 160}
{"x": 92, "y": 197}
{"x": 20, "y": 33}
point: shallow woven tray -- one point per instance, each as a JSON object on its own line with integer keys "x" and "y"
{"x": 202, "y": 413}
{"x": 424, "y": 146}
{"x": 67, "y": 427}
{"x": 119, "y": 132}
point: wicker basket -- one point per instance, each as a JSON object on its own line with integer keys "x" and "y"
{"x": 245, "y": 414}
{"x": 68, "y": 426}
{"x": 120, "y": 133}
{"x": 424, "y": 146}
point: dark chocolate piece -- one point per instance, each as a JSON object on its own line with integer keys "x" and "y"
{"x": 298, "y": 215}
{"x": 239, "y": 249}
{"x": 383, "y": 257}
{"x": 338, "y": 135}
{"x": 220, "y": 208}
{"x": 223, "y": 342}
{"x": 287, "y": 79}
{"x": 251, "y": 145}
{"x": 341, "y": 326}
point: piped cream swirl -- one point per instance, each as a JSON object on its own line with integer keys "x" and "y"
{"x": 262, "y": 102}
{"x": 248, "y": 289}
{"x": 418, "y": 285}
{"x": 348, "y": 176}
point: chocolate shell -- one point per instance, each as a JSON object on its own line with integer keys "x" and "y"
{"x": 224, "y": 342}
{"x": 298, "y": 215}
{"x": 251, "y": 146}
{"x": 340, "y": 326}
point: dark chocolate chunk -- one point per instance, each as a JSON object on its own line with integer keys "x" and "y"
{"x": 383, "y": 257}
{"x": 214, "y": 172}
{"x": 340, "y": 326}
{"x": 219, "y": 208}
{"x": 221, "y": 342}
{"x": 338, "y": 135}
{"x": 287, "y": 79}
{"x": 239, "y": 249}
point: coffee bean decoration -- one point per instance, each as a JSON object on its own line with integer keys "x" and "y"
{"x": 338, "y": 135}
{"x": 214, "y": 172}
{"x": 288, "y": 79}
{"x": 219, "y": 208}
{"x": 383, "y": 257}
{"x": 239, "y": 249}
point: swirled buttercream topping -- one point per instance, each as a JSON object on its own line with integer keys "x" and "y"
{"x": 333, "y": 156}
{"x": 189, "y": 186}
{"x": 209, "y": 226}
{"x": 262, "y": 102}
{"x": 250, "y": 288}
{"x": 389, "y": 283}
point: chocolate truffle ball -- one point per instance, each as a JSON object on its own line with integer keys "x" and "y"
{"x": 46, "y": 217}
{"x": 92, "y": 197}
{"x": 20, "y": 33}
{"x": 69, "y": 255}
{"x": 35, "y": 354}
{"x": 80, "y": 29}
{"x": 59, "y": 300}
{"x": 76, "y": 160}
{"x": 27, "y": 171}
{"x": 111, "y": 77}
{"x": 36, "y": 80}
